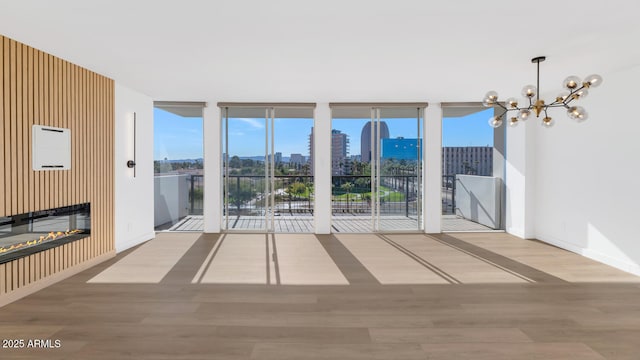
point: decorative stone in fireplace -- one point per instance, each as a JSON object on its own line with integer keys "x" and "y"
{"x": 25, "y": 234}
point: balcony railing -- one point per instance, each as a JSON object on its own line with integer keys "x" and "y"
{"x": 448, "y": 194}
{"x": 344, "y": 199}
{"x": 294, "y": 194}
{"x": 196, "y": 194}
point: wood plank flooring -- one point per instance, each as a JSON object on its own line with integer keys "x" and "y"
{"x": 489, "y": 296}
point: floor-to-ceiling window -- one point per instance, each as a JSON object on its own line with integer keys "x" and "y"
{"x": 267, "y": 168}
{"x": 376, "y": 167}
{"x": 178, "y": 166}
{"x": 472, "y": 169}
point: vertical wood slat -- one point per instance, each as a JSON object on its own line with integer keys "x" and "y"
{"x": 20, "y": 274}
{"x": 4, "y": 140}
{"x": 44, "y": 120}
{"x": 17, "y": 122}
{"x": 93, "y": 162}
{"x": 61, "y": 174}
{"x": 38, "y": 120}
{"x": 26, "y": 137}
{"x": 36, "y": 267}
{"x": 35, "y": 119}
{"x": 6, "y": 69}
{"x": 55, "y": 174}
{"x": 7, "y": 124}
{"x": 3, "y": 279}
{"x": 13, "y": 125}
{"x": 111, "y": 143}
{"x": 14, "y": 275}
{"x": 30, "y": 174}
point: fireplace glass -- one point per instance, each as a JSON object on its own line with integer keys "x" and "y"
{"x": 25, "y": 234}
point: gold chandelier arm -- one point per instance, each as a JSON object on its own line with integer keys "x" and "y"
{"x": 502, "y": 106}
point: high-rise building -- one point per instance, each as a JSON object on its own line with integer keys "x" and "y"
{"x": 339, "y": 151}
{"x": 278, "y": 157}
{"x": 296, "y": 159}
{"x": 365, "y": 140}
{"x": 311, "y": 151}
{"x": 471, "y": 160}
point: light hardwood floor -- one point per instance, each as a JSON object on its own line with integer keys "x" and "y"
{"x": 450, "y": 296}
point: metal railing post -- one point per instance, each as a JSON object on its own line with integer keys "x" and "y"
{"x": 406, "y": 195}
{"x": 193, "y": 196}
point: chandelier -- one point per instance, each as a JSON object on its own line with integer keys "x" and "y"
{"x": 575, "y": 89}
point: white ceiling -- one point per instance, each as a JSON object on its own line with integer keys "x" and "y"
{"x": 330, "y": 50}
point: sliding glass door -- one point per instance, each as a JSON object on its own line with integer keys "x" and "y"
{"x": 376, "y": 159}
{"x": 398, "y": 169}
{"x": 268, "y": 183}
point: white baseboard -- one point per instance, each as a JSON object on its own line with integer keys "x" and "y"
{"x": 593, "y": 255}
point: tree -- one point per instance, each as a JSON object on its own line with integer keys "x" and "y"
{"x": 240, "y": 192}
{"x": 235, "y": 162}
{"x": 347, "y": 187}
{"x": 297, "y": 189}
{"x": 363, "y": 184}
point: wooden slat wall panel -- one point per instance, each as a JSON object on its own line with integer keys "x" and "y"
{"x": 6, "y": 100}
{"x": 2, "y": 159}
{"x": 38, "y": 88}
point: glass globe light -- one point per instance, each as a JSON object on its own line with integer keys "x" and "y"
{"x": 490, "y": 98}
{"x": 571, "y": 82}
{"x": 511, "y": 103}
{"x": 582, "y": 93}
{"x": 524, "y": 114}
{"x": 491, "y": 95}
{"x": 548, "y": 122}
{"x": 593, "y": 80}
{"x": 562, "y": 96}
{"x": 529, "y": 91}
{"x": 513, "y": 122}
{"x": 578, "y": 113}
{"x": 495, "y": 121}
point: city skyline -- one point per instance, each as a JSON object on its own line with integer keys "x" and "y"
{"x": 177, "y": 137}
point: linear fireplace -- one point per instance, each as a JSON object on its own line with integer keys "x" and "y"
{"x": 25, "y": 234}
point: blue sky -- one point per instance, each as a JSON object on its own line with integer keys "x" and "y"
{"x": 470, "y": 130}
{"x": 177, "y": 137}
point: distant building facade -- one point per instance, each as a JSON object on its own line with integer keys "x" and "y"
{"x": 297, "y": 159}
{"x": 365, "y": 140}
{"x": 401, "y": 149}
{"x": 339, "y": 151}
{"x": 471, "y": 160}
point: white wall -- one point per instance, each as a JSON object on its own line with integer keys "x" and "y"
{"x": 212, "y": 168}
{"x": 432, "y": 181}
{"x": 520, "y": 179}
{"x": 322, "y": 168}
{"x": 588, "y": 176}
{"x": 133, "y": 196}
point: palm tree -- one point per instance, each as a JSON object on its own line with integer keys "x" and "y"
{"x": 347, "y": 187}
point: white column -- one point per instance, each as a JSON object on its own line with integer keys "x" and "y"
{"x": 212, "y": 169}
{"x": 322, "y": 168}
{"x": 432, "y": 152}
{"x": 519, "y": 179}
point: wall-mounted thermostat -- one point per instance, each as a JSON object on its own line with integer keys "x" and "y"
{"x": 51, "y": 148}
